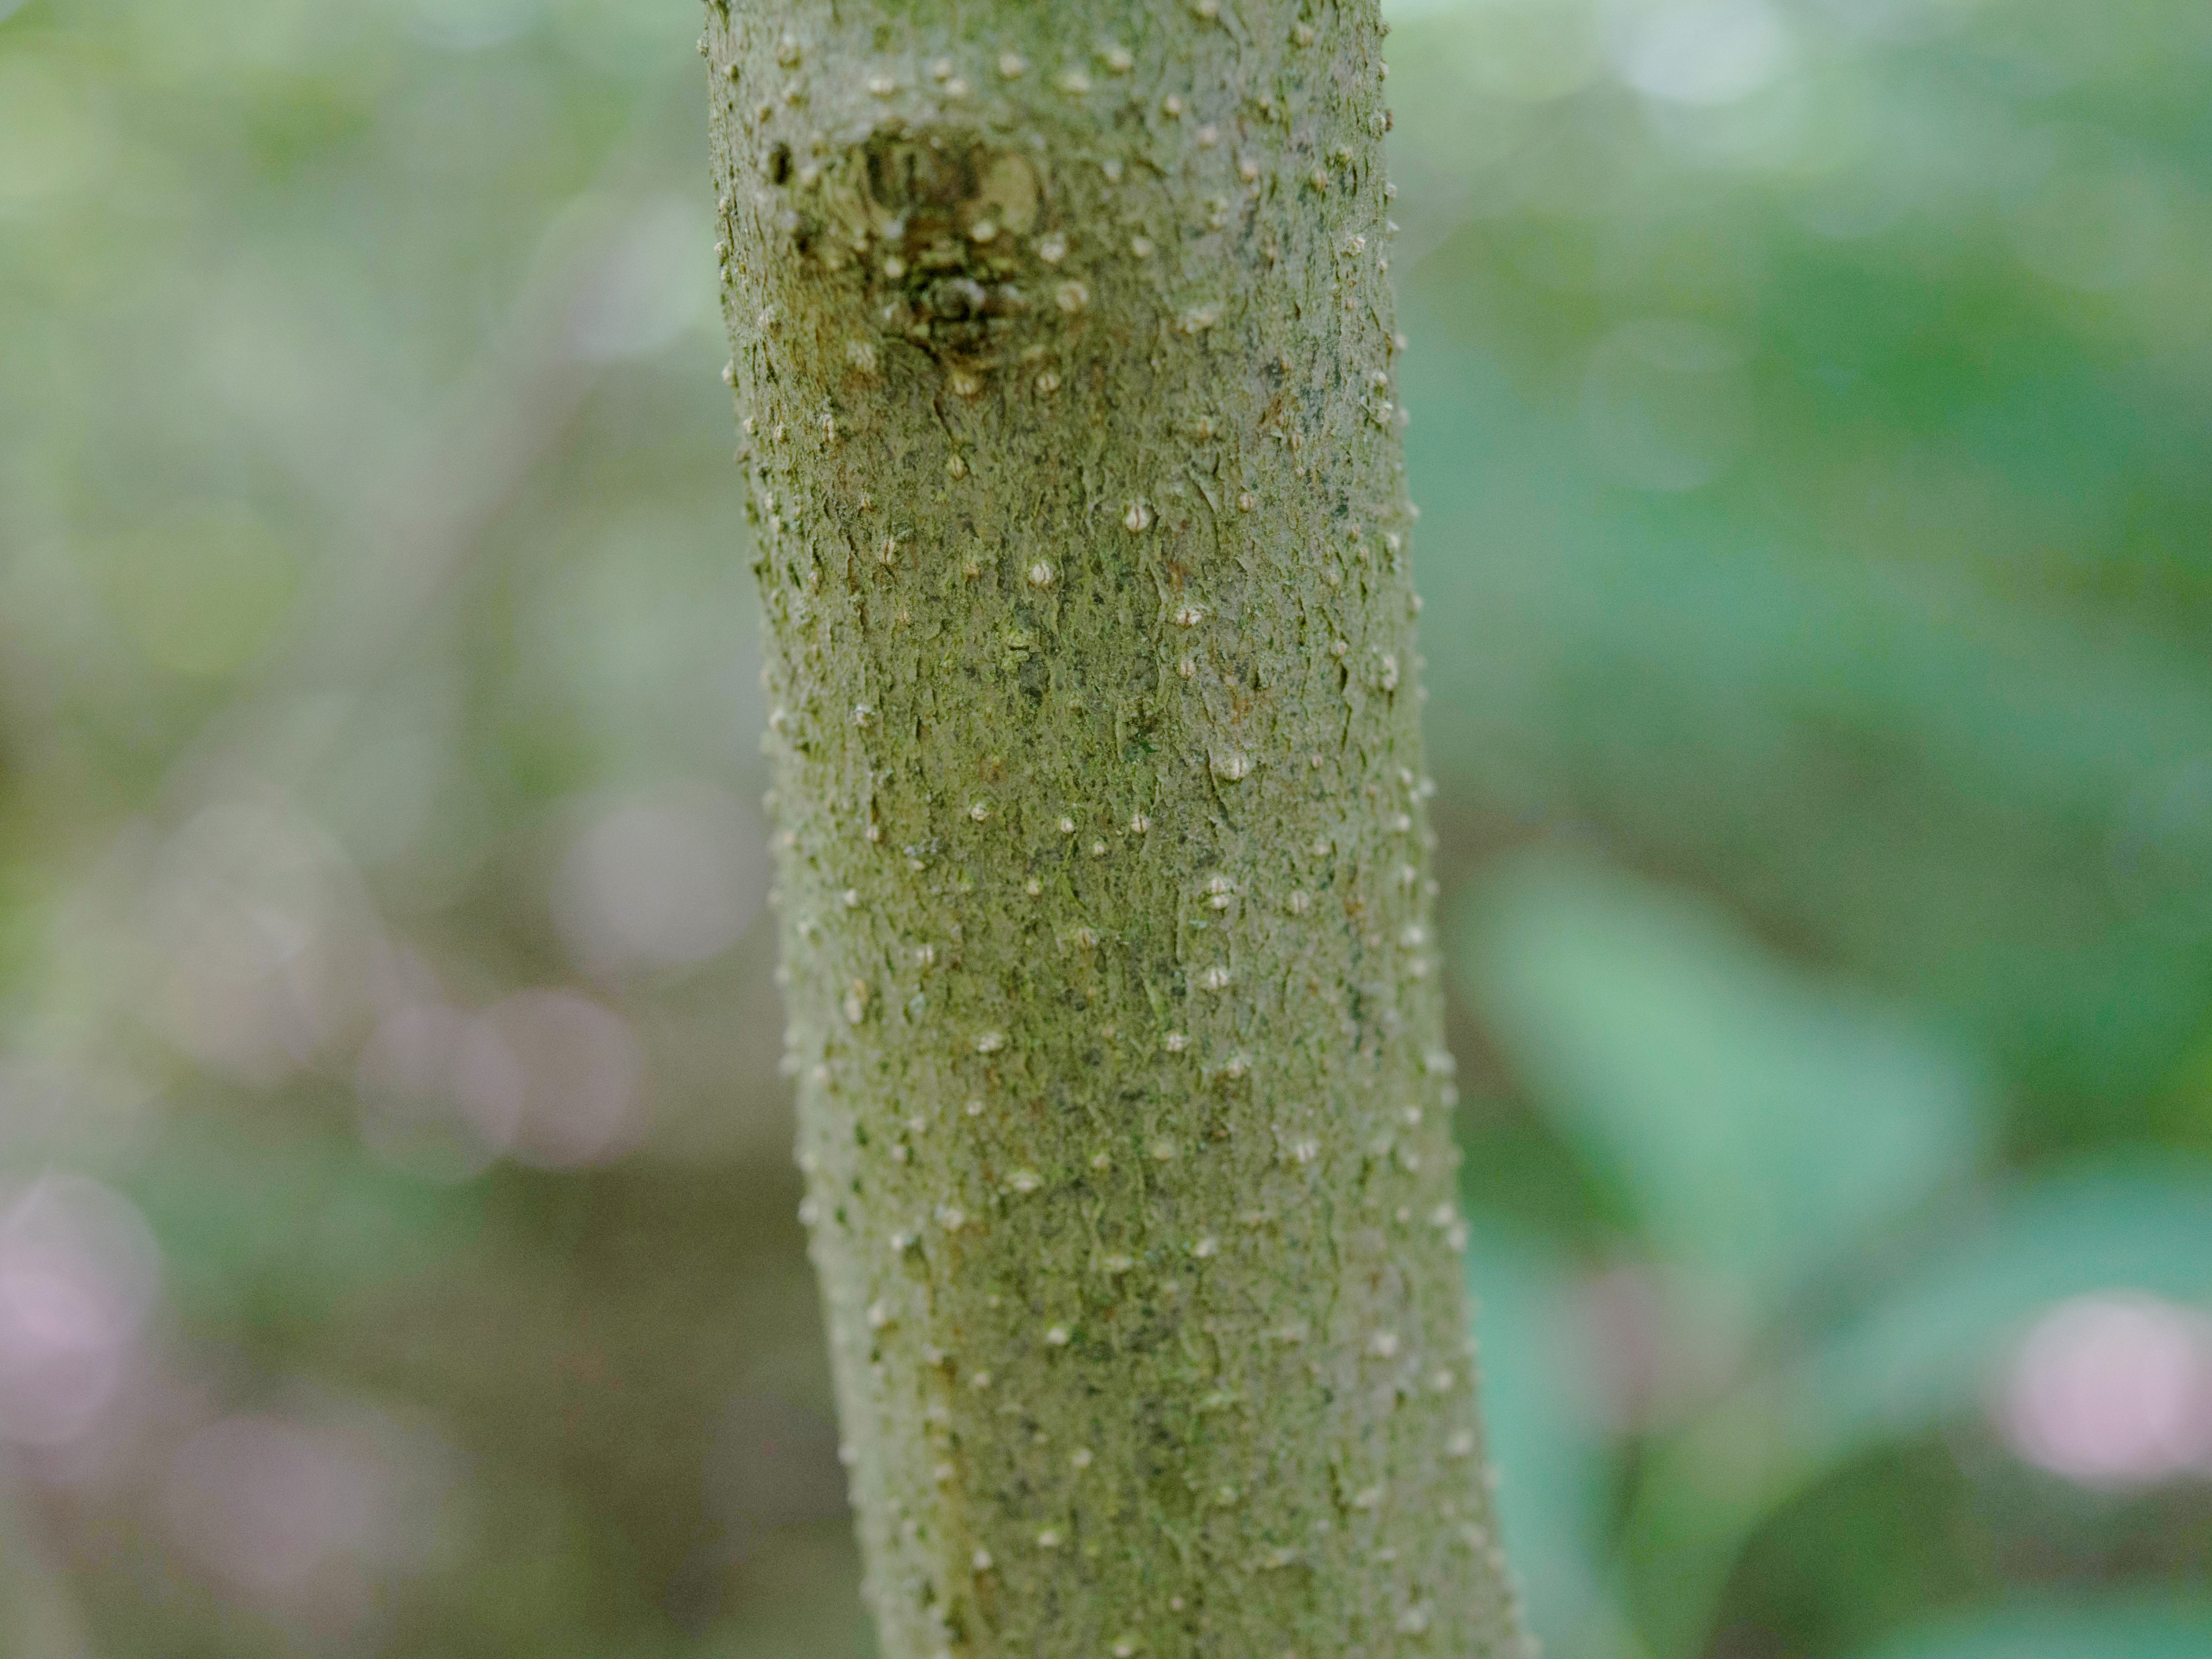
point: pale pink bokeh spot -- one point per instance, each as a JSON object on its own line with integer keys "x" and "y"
{"x": 440, "y": 1091}
{"x": 583, "y": 1077}
{"x": 78, "y": 1272}
{"x": 268, "y": 1504}
{"x": 309, "y": 1512}
{"x": 546, "y": 1077}
{"x": 2113, "y": 1391}
{"x": 666, "y": 880}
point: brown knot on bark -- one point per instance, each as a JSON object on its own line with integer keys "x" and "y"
{"x": 942, "y": 237}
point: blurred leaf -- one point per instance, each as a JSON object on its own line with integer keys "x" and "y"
{"x": 1887, "y": 619}
{"x": 2112, "y": 1627}
{"x": 1550, "y": 1487}
{"x": 1941, "y": 789}
{"x": 1926, "y": 1351}
{"x": 1919, "y": 1357}
{"x": 1763, "y": 1120}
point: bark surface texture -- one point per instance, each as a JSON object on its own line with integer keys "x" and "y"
{"x": 1062, "y": 343}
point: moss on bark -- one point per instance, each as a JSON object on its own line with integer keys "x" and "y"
{"x": 1063, "y": 345}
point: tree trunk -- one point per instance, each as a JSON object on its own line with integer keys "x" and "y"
{"x": 1062, "y": 339}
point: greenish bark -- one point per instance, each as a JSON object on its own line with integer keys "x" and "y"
{"x": 1062, "y": 341}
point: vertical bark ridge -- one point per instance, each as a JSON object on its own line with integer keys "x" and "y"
{"x": 1062, "y": 342}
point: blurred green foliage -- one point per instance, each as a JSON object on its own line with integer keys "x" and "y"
{"x": 2132, "y": 1628}
{"x": 1813, "y": 416}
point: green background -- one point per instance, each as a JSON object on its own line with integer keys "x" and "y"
{"x": 1812, "y": 422}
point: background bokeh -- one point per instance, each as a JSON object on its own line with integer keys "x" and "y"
{"x": 1813, "y": 414}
